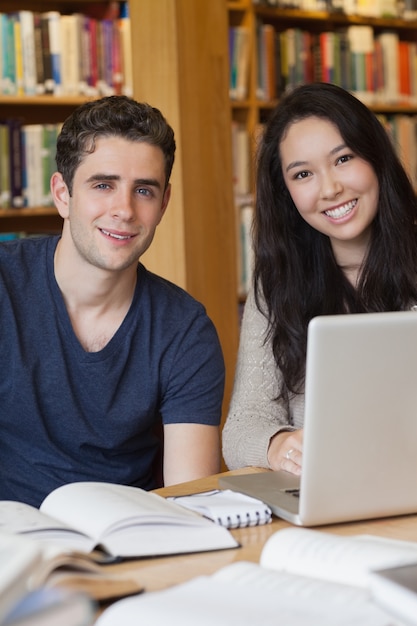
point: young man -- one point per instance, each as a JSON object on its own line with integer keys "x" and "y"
{"x": 96, "y": 350}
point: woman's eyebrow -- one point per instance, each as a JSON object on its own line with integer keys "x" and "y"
{"x": 334, "y": 151}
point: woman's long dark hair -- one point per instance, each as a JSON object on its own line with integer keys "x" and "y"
{"x": 295, "y": 269}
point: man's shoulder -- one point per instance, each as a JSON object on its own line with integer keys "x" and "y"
{"x": 25, "y": 247}
{"x": 167, "y": 291}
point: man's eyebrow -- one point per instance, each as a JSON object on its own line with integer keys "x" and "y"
{"x": 151, "y": 182}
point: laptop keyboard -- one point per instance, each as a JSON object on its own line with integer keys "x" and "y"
{"x": 293, "y": 492}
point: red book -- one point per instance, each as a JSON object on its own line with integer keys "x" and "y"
{"x": 404, "y": 72}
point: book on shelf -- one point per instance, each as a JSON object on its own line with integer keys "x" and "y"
{"x": 52, "y": 19}
{"x": 377, "y": 67}
{"x": 239, "y": 53}
{"x": 27, "y": 161}
{"x": 365, "y": 8}
{"x": 267, "y": 62}
{"x": 71, "y": 78}
{"x": 389, "y": 45}
{"x": 14, "y": 127}
{"x": 7, "y": 55}
{"x": 240, "y": 159}
{"x": 32, "y": 141}
{"x": 49, "y": 138}
{"x": 48, "y": 79}
{"x": 65, "y": 54}
{"x": 116, "y": 63}
{"x": 39, "y": 55}
{"x": 402, "y": 130}
{"x": 404, "y": 74}
{"x": 125, "y": 34}
{"x": 11, "y": 157}
{"x": 305, "y": 577}
{"x": 90, "y": 54}
{"x": 408, "y": 10}
{"x": 124, "y": 521}
{"x": 107, "y": 56}
{"x": 5, "y": 182}
{"x": 18, "y": 54}
{"x": 28, "y": 52}
{"x": 361, "y": 43}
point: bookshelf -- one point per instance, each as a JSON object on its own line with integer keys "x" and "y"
{"x": 253, "y": 110}
{"x": 181, "y": 68}
{"x": 38, "y": 109}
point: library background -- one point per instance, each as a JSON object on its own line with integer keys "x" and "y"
{"x": 215, "y": 68}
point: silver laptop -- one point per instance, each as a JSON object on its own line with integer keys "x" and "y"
{"x": 360, "y": 429}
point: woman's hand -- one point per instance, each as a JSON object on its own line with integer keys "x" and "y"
{"x": 285, "y": 451}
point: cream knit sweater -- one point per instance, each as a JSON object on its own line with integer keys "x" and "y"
{"x": 254, "y": 415}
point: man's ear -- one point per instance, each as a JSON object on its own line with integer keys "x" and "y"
{"x": 60, "y": 194}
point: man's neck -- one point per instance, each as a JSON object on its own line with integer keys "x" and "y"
{"x": 97, "y": 300}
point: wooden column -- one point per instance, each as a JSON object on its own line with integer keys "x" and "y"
{"x": 180, "y": 65}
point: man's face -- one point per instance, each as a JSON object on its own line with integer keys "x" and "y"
{"x": 118, "y": 200}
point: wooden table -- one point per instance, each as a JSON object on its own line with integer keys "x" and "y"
{"x": 159, "y": 573}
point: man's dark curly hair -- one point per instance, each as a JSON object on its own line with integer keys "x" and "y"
{"x": 117, "y": 116}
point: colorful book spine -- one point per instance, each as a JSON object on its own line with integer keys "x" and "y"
{"x": 18, "y": 56}
{"x": 54, "y": 29}
{"x": 5, "y": 181}
{"x": 239, "y": 63}
{"x": 8, "y": 77}
{"x": 39, "y": 57}
{"x": 56, "y": 53}
{"x": 126, "y": 46}
{"x": 48, "y": 79}
{"x": 16, "y": 162}
{"x": 70, "y": 55}
{"x": 27, "y": 51}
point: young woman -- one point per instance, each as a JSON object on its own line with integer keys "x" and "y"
{"x": 334, "y": 233}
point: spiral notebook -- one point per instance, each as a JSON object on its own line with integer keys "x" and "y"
{"x": 227, "y": 508}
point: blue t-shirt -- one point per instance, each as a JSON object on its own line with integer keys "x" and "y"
{"x": 69, "y": 415}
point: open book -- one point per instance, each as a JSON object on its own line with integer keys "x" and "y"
{"x": 122, "y": 521}
{"x": 305, "y": 578}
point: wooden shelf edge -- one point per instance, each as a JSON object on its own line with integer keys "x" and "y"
{"x": 335, "y": 18}
{"x": 29, "y": 212}
{"x": 45, "y": 100}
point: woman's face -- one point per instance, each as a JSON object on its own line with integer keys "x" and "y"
{"x": 334, "y": 190}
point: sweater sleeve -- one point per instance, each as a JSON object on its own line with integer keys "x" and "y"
{"x": 254, "y": 414}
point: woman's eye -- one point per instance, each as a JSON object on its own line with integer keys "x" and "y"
{"x": 300, "y": 175}
{"x": 345, "y": 158}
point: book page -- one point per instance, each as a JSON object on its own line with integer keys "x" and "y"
{"x": 20, "y": 518}
{"x": 225, "y": 598}
{"x": 130, "y": 522}
{"x": 95, "y": 508}
{"x": 346, "y": 560}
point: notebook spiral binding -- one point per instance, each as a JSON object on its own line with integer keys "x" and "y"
{"x": 227, "y": 508}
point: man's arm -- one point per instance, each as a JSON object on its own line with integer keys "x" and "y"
{"x": 191, "y": 451}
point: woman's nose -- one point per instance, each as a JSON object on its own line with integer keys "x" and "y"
{"x": 330, "y": 186}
